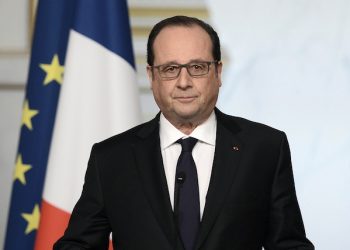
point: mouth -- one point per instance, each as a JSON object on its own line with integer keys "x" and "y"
{"x": 185, "y": 99}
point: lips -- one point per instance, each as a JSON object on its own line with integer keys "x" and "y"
{"x": 185, "y": 99}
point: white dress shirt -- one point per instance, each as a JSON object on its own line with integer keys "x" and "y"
{"x": 203, "y": 153}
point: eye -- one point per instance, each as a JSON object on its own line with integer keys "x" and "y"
{"x": 169, "y": 68}
{"x": 197, "y": 66}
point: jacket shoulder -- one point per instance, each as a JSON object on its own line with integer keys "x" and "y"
{"x": 248, "y": 129}
{"x": 129, "y": 136}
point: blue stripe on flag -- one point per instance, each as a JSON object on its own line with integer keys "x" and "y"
{"x": 107, "y": 24}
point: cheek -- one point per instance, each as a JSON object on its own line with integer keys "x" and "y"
{"x": 209, "y": 92}
{"x": 162, "y": 94}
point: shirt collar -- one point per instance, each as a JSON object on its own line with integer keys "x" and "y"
{"x": 205, "y": 132}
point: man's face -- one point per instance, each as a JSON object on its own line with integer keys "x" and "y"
{"x": 185, "y": 99}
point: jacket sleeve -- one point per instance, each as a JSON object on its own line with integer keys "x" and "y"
{"x": 88, "y": 226}
{"x": 285, "y": 229}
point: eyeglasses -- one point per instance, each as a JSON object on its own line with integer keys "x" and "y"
{"x": 172, "y": 70}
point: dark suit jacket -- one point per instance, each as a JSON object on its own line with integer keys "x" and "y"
{"x": 251, "y": 201}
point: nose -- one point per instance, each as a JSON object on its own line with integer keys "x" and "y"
{"x": 184, "y": 80}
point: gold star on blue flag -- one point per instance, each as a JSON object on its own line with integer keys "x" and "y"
{"x": 54, "y": 71}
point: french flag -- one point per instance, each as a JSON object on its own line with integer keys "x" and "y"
{"x": 97, "y": 97}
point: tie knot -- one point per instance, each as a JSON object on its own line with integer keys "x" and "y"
{"x": 187, "y": 144}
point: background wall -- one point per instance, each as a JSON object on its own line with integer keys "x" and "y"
{"x": 289, "y": 66}
{"x": 286, "y": 63}
{"x": 14, "y": 50}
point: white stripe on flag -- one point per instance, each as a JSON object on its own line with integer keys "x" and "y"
{"x": 98, "y": 99}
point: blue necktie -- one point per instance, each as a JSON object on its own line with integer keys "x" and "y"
{"x": 187, "y": 194}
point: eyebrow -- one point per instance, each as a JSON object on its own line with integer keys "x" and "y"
{"x": 191, "y": 61}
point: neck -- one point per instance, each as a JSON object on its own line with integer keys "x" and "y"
{"x": 186, "y": 126}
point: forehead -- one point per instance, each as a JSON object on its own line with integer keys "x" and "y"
{"x": 182, "y": 44}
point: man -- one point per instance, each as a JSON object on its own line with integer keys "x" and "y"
{"x": 193, "y": 177}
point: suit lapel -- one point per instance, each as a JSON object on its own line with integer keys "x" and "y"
{"x": 226, "y": 160}
{"x": 150, "y": 166}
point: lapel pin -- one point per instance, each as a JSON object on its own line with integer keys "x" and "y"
{"x": 235, "y": 148}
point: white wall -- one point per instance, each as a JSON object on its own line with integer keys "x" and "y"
{"x": 289, "y": 66}
{"x": 14, "y": 49}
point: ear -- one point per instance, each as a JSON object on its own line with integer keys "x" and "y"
{"x": 150, "y": 73}
{"x": 218, "y": 72}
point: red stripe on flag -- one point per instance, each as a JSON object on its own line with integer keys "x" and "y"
{"x": 53, "y": 223}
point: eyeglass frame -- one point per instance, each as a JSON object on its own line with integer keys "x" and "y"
{"x": 186, "y": 65}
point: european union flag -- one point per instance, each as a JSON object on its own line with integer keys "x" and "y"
{"x": 53, "y": 21}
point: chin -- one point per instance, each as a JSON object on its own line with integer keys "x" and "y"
{"x": 187, "y": 115}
